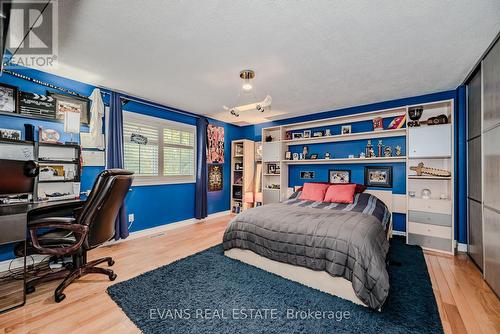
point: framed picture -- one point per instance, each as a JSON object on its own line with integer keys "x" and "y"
{"x": 215, "y": 179}
{"x": 215, "y": 150}
{"x": 346, "y": 129}
{"x": 70, "y": 103}
{"x": 271, "y": 168}
{"x": 307, "y": 133}
{"x": 37, "y": 105}
{"x": 339, "y": 176}
{"x": 297, "y": 135}
{"x": 288, "y": 135}
{"x": 8, "y": 98}
{"x": 307, "y": 175}
{"x": 314, "y": 156}
{"x": 378, "y": 124}
{"x": 318, "y": 133}
{"x": 288, "y": 155}
{"x": 10, "y": 134}
{"x": 378, "y": 176}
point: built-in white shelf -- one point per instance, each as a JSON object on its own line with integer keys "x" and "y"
{"x": 270, "y": 174}
{"x": 346, "y": 160}
{"x": 429, "y": 177}
{"x": 431, "y": 157}
{"x": 348, "y": 137}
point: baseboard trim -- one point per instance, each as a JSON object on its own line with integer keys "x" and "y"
{"x": 462, "y": 247}
{"x": 401, "y": 233}
{"x": 18, "y": 263}
{"x": 166, "y": 227}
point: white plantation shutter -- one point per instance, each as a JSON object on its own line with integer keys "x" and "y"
{"x": 169, "y": 154}
{"x": 178, "y": 152}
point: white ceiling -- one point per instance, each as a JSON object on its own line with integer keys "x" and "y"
{"x": 310, "y": 56}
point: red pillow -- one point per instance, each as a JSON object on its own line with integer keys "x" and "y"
{"x": 340, "y": 193}
{"x": 359, "y": 187}
{"x": 313, "y": 192}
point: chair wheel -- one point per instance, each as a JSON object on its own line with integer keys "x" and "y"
{"x": 112, "y": 277}
{"x": 111, "y": 262}
{"x": 30, "y": 289}
{"x": 60, "y": 298}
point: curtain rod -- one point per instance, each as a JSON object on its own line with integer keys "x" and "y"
{"x": 149, "y": 103}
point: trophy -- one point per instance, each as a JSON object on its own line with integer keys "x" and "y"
{"x": 415, "y": 113}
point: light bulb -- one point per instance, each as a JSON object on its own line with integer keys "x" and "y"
{"x": 247, "y": 87}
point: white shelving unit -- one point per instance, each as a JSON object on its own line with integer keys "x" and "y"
{"x": 430, "y": 222}
{"x": 432, "y": 145}
{"x": 242, "y": 155}
{"x": 274, "y": 150}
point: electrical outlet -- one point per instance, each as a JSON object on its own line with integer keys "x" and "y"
{"x": 131, "y": 218}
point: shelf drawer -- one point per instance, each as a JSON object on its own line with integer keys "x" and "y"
{"x": 429, "y": 218}
{"x": 443, "y": 232}
{"x": 430, "y": 242}
{"x": 430, "y": 205}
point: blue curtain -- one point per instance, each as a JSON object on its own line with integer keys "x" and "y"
{"x": 201, "y": 206}
{"x": 115, "y": 154}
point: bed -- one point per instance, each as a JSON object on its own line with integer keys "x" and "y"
{"x": 336, "y": 248}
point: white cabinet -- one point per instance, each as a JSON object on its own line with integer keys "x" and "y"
{"x": 429, "y": 141}
{"x": 271, "y": 152}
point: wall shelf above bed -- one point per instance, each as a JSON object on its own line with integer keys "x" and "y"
{"x": 347, "y": 137}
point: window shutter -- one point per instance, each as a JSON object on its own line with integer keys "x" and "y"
{"x": 168, "y": 156}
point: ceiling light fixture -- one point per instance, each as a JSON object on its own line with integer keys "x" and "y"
{"x": 247, "y": 97}
{"x": 247, "y": 76}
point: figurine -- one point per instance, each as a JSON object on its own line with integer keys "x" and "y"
{"x": 379, "y": 147}
{"x": 398, "y": 150}
{"x": 368, "y": 148}
{"x": 420, "y": 169}
{"x": 371, "y": 153}
{"x": 362, "y": 155}
{"x": 327, "y": 155}
{"x": 388, "y": 152}
{"x": 415, "y": 113}
{"x": 305, "y": 150}
{"x": 327, "y": 132}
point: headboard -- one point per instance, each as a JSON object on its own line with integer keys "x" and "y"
{"x": 383, "y": 195}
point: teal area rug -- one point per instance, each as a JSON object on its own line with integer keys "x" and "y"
{"x": 210, "y": 293}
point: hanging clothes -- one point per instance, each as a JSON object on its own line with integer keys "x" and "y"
{"x": 96, "y": 115}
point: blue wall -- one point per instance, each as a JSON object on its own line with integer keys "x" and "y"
{"x": 151, "y": 205}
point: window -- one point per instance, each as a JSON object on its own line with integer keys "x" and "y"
{"x": 157, "y": 150}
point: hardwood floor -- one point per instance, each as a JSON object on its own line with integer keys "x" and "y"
{"x": 466, "y": 304}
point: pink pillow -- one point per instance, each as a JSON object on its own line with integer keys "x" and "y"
{"x": 340, "y": 193}
{"x": 313, "y": 192}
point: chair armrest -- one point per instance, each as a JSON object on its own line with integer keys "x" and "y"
{"x": 56, "y": 209}
{"x": 80, "y": 232}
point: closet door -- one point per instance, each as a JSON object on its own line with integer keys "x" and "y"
{"x": 474, "y": 184}
{"x": 491, "y": 177}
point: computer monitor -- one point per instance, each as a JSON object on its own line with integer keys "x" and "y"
{"x": 17, "y": 177}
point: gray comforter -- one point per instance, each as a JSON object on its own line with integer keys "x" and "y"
{"x": 344, "y": 240}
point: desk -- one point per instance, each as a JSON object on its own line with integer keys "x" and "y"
{"x": 13, "y": 229}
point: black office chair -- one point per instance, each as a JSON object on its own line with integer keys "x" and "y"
{"x": 91, "y": 225}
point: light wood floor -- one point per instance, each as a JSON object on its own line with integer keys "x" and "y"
{"x": 466, "y": 304}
